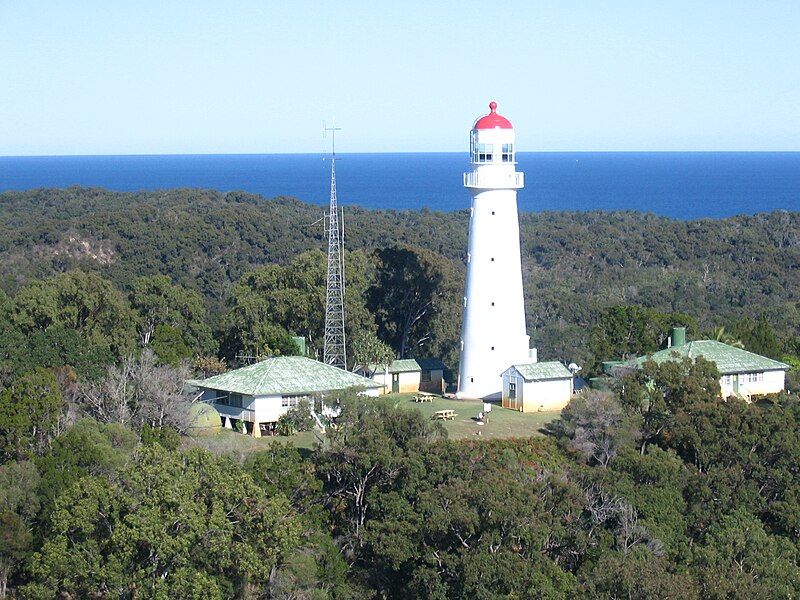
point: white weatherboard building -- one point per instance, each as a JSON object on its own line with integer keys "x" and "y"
{"x": 257, "y": 395}
{"x": 743, "y": 374}
{"x": 537, "y": 386}
{"x": 493, "y": 334}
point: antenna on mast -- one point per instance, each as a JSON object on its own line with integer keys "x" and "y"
{"x": 334, "y": 352}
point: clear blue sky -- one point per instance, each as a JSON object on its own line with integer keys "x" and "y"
{"x": 140, "y": 77}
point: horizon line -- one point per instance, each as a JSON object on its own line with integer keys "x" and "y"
{"x": 322, "y": 154}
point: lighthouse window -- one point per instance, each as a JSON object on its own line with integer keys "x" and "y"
{"x": 483, "y": 153}
{"x": 492, "y": 259}
{"x": 508, "y": 153}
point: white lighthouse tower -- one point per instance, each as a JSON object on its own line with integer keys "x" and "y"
{"x": 493, "y": 335}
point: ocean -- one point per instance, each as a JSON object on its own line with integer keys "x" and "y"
{"x": 681, "y": 185}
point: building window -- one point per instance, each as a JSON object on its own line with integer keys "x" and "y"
{"x": 425, "y": 376}
{"x": 727, "y": 380}
{"x": 492, "y": 303}
{"x": 482, "y": 153}
{"x": 492, "y": 213}
{"x": 472, "y": 380}
{"x": 752, "y": 377}
{"x": 493, "y": 259}
{"x": 236, "y": 400}
{"x": 512, "y": 390}
{"x": 508, "y": 153}
{"x": 492, "y": 347}
{"x": 292, "y": 401}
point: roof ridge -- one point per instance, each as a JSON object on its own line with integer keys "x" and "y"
{"x": 267, "y": 370}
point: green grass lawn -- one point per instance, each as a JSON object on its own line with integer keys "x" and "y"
{"x": 503, "y": 422}
{"x": 226, "y": 441}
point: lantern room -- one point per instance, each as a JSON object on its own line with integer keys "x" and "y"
{"x": 492, "y": 139}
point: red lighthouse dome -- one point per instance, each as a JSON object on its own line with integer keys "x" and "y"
{"x": 493, "y": 120}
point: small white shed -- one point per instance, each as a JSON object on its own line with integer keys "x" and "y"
{"x": 540, "y": 386}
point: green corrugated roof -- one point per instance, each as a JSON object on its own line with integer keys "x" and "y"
{"x": 286, "y": 375}
{"x": 399, "y": 365}
{"x": 404, "y": 365}
{"x": 543, "y": 370}
{"x": 728, "y": 359}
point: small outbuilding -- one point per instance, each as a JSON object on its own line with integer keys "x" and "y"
{"x": 540, "y": 386}
{"x": 431, "y": 375}
{"x": 407, "y": 375}
{"x": 256, "y": 396}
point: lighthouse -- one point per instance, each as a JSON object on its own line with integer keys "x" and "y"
{"x": 493, "y": 335}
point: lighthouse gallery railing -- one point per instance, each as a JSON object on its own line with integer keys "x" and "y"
{"x": 511, "y": 180}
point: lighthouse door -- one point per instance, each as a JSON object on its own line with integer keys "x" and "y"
{"x": 513, "y": 394}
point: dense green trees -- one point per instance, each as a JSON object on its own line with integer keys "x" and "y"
{"x": 415, "y": 299}
{"x": 81, "y": 301}
{"x": 576, "y": 266}
{"x": 273, "y": 301}
{"x": 388, "y": 506}
{"x": 656, "y": 489}
{"x": 30, "y": 414}
{"x": 188, "y": 524}
{"x": 164, "y": 307}
{"x": 628, "y": 331}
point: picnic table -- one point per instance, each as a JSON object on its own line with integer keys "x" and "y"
{"x": 444, "y": 415}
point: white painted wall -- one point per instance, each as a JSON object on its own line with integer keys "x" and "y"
{"x": 773, "y": 382}
{"x": 260, "y": 409}
{"x": 553, "y": 394}
{"x": 534, "y": 396}
{"x": 269, "y": 409}
{"x": 493, "y": 333}
{"x": 408, "y": 382}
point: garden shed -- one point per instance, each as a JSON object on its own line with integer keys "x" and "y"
{"x": 539, "y": 386}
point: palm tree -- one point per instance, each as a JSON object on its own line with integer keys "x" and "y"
{"x": 721, "y": 335}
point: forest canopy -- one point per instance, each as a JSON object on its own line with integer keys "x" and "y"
{"x": 216, "y": 248}
{"x": 653, "y": 488}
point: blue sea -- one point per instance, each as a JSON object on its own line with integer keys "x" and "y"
{"x": 682, "y": 185}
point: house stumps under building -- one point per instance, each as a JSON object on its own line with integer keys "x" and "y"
{"x": 256, "y": 396}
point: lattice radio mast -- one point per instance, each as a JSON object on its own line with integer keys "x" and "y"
{"x": 334, "y": 352}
